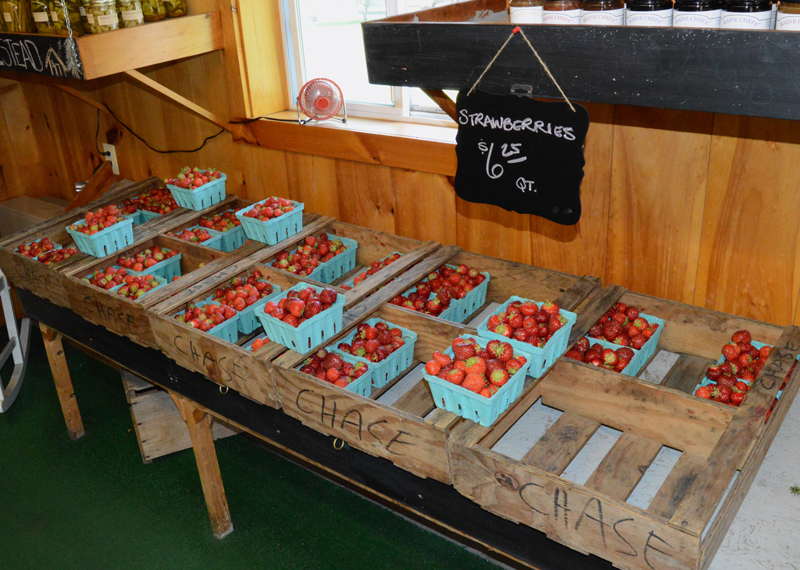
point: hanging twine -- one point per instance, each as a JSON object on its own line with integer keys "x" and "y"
{"x": 541, "y": 61}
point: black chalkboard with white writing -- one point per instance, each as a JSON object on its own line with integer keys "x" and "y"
{"x": 43, "y": 55}
{"x": 521, "y": 154}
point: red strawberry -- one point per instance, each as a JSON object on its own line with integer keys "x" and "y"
{"x": 432, "y": 367}
{"x": 528, "y": 308}
{"x": 504, "y": 352}
{"x": 612, "y": 330}
{"x": 713, "y": 372}
{"x": 475, "y": 365}
{"x": 610, "y": 357}
{"x": 474, "y": 383}
{"x": 582, "y": 345}
{"x": 550, "y": 308}
{"x": 625, "y": 352}
{"x": 328, "y": 296}
{"x": 504, "y": 330}
{"x": 764, "y": 352}
{"x": 499, "y": 377}
{"x": 731, "y": 351}
{"x": 556, "y": 322}
{"x": 455, "y": 376}
{"x": 513, "y": 366}
{"x": 441, "y": 358}
{"x": 492, "y": 365}
{"x": 542, "y": 316}
{"x": 372, "y": 346}
{"x": 741, "y": 337}
{"x": 638, "y": 341}
{"x": 463, "y": 350}
{"x": 703, "y": 392}
{"x": 575, "y": 355}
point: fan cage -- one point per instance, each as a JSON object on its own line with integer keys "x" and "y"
{"x": 325, "y": 92}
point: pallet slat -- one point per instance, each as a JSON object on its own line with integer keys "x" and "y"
{"x": 623, "y": 466}
{"x": 561, "y": 443}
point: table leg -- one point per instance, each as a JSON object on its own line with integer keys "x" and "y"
{"x": 199, "y": 424}
{"x": 63, "y": 381}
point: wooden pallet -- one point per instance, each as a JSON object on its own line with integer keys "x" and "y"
{"x": 682, "y": 526}
{"x": 160, "y": 429}
{"x": 411, "y": 432}
{"x": 245, "y": 371}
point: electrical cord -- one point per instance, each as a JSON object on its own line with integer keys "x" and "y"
{"x": 253, "y": 120}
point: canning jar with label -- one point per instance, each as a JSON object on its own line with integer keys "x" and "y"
{"x": 101, "y": 16}
{"x": 746, "y": 15}
{"x": 130, "y": 13}
{"x": 603, "y": 13}
{"x": 17, "y": 16}
{"x": 696, "y": 13}
{"x": 649, "y": 13}
{"x": 788, "y": 19}
{"x": 526, "y": 11}
{"x": 154, "y": 10}
{"x": 57, "y": 17}
{"x": 176, "y": 8}
{"x": 562, "y": 12}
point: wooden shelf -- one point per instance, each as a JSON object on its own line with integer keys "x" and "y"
{"x": 722, "y": 71}
{"x": 93, "y": 56}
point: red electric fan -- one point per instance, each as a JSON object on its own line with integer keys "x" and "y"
{"x": 320, "y": 99}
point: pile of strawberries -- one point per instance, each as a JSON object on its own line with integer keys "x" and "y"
{"x": 526, "y": 322}
{"x": 158, "y": 200}
{"x": 612, "y": 359}
{"x": 306, "y": 258}
{"x": 146, "y": 258}
{"x": 136, "y": 286}
{"x": 375, "y": 343}
{"x": 220, "y": 222}
{"x": 330, "y": 367}
{"x": 258, "y": 343}
{"x": 197, "y": 235}
{"x": 206, "y": 317}
{"x": 191, "y": 178}
{"x": 732, "y": 378}
{"x": 46, "y": 252}
{"x": 271, "y": 208}
{"x": 623, "y": 325}
{"x": 243, "y": 292}
{"x": 433, "y": 295}
{"x": 374, "y": 267}
{"x": 480, "y": 370}
{"x": 299, "y": 306}
{"x": 97, "y": 221}
{"x": 107, "y": 278}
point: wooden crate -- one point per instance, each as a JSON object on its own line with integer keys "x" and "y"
{"x": 685, "y": 522}
{"x": 160, "y": 429}
{"x": 129, "y": 318}
{"x": 412, "y": 432}
{"x": 226, "y": 363}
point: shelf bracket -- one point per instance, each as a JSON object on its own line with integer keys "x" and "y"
{"x": 177, "y": 98}
{"x": 444, "y": 101}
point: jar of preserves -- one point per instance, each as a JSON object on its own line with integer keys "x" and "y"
{"x": 101, "y": 16}
{"x": 649, "y": 13}
{"x": 603, "y": 13}
{"x": 746, "y": 15}
{"x": 525, "y": 11}
{"x": 696, "y": 13}
{"x": 154, "y": 10}
{"x": 130, "y": 13}
{"x": 788, "y": 19}
{"x": 176, "y": 8}
{"x": 57, "y": 17}
{"x": 17, "y": 16}
{"x": 562, "y": 12}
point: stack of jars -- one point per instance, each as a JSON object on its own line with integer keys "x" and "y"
{"x": 726, "y": 14}
{"x": 76, "y": 17}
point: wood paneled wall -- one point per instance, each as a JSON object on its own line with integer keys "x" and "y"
{"x": 689, "y": 206}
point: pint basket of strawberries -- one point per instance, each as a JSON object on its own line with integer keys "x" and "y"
{"x": 387, "y": 348}
{"x": 477, "y": 378}
{"x": 303, "y": 316}
{"x": 197, "y": 189}
{"x": 46, "y": 251}
{"x": 540, "y": 329}
{"x": 374, "y": 267}
{"x": 324, "y": 258}
{"x": 196, "y": 234}
{"x": 272, "y": 220}
{"x": 213, "y": 318}
{"x": 226, "y": 223}
{"x": 102, "y": 232}
{"x": 339, "y": 369}
{"x": 247, "y": 295}
{"x": 158, "y": 261}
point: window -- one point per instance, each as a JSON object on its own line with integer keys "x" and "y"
{"x": 323, "y": 39}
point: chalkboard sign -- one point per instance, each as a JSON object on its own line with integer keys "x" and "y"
{"x": 43, "y": 55}
{"x": 521, "y": 154}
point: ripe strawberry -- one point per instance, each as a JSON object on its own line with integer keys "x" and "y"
{"x": 493, "y": 364}
{"x": 612, "y": 330}
{"x": 556, "y": 322}
{"x": 737, "y": 398}
{"x": 499, "y": 377}
{"x": 764, "y": 352}
{"x": 463, "y": 350}
{"x": 632, "y": 313}
{"x": 442, "y": 358}
{"x": 731, "y": 351}
{"x": 528, "y": 308}
{"x": 513, "y": 366}
{"x": 625, "y": 352}
{"x": 487, "y": 393}
{"x": 503, "y": 352}
{"x": 475, "y": 365}
{"x": 582, "y": 345}
{"x": 455, "y": 376}
{"x": 713, "y": 372}
{"x": 610, "y": 357}
{"x": 638, "y": 341}
{"x": 703, "y": 392}
{"x": 741, "y": 337}
{"x": 550, "y": 308}
{"x": 474, "y": 383}
{"x": 432, "y": 367}
{"x": 575, "y": 355}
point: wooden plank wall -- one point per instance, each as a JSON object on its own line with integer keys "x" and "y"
{"x": 693, "y": 207}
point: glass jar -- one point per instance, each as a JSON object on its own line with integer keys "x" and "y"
{"x": 746, "y": 15}
{"x": 788, "y": 19}
{"x": 649, "y": 13}
{"x": 526, "y": 11}
{"x": 696, "y": 13}
{"x": 130, "y": 13}
{"x": 176, "y": 8}
{"x": 602, "y": 13}
{"x": 101, "y": 16}
{"x": 17, "y": 16}
{"x": 562, "y": 12}
{"x": 57, "y": 17}
{"x": 154, "y": 10}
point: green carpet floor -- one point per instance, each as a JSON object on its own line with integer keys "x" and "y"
{"x": 93, "y": 504}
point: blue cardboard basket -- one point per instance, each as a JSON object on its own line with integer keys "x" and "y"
{"x": 449, "y": 314}
{"x": 147, "y": 215}
{"x": 337, "y": 266}
{"x": 361, "y": 385}
{"x": 233, "y": 239}
{"x": 274, "y": 230}
{"x": 541, "y": 358}
{"x": 641, "y": 355}
{"x": 167, "y": 269}
{"x": 398, "y": 361}
{"x": 227, "y": 330}
{"x": 312, "y": 332}
{"x": 161, "y": 282}
{"x": 212, "y": 242}
{"x": 137, "y": 217}
{"x": 248, "y": 322}
{"x": 460, "y": 309}
{"x": 200, "y": 198}
{"x": 104, "y": 242}
{"x": 470, "y": 405}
